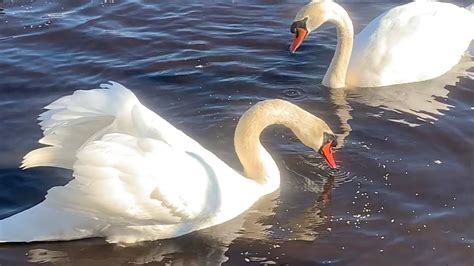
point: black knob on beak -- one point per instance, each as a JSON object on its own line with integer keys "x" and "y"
{"x": 298, "y": 24}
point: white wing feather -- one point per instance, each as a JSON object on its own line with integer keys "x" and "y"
{"x": 71, "y": 120}
{"x": 124, "y": 179}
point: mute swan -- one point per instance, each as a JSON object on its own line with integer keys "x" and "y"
{"x": 409, "y": 43}
{"x": 136, "y": 177}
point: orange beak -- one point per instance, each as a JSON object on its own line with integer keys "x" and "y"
{"x": 326, "y": 152}
{"x": 299, "y": 38}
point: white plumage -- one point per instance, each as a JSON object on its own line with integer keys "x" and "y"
{"x": 136, "y": 177}
{"x": 410, "y": 43}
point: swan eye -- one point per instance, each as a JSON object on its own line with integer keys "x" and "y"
{"x": 298, "y": 24}
{"x": 328, "y": 137}
{"x": 293, "y": 27}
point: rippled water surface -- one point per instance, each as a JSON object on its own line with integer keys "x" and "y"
{"x": 403, "y": 194}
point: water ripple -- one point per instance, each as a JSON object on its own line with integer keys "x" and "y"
{"x": 401, "y": 192}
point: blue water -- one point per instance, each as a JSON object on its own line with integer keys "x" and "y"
{"x": 403, "y": 194}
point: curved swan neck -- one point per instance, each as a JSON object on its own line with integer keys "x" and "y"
{"x": 335, "y": 76}
{"x": 258, "y": 164}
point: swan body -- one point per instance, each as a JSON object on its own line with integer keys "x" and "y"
{"x": 136, "y": 177}
{"x": 413, "y": 42}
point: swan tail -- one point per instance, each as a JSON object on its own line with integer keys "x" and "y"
{"x": 470, "y": 8}
{"x": 71, "y": 120}
{"x": 44, "y": 223}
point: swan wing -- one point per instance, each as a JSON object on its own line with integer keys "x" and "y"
{"x": 72, "y": 121}
{"x": 413, "y": 42}
{"x": 124, "y": 179}
{"x": 123, "y": 185}
{"x": 132, "y": 170}
{"x": 128, "y": 162}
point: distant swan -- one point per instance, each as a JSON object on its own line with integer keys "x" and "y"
{"x": 414, "y": 42}
{"x": 136, "y": 177}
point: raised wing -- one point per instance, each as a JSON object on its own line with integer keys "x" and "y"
{"x": 72, "y": 121}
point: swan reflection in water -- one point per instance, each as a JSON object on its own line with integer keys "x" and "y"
{"x": 411, "y": 104}
{"x": 208, "y": 246}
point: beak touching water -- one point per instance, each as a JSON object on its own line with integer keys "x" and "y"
{"x": 300, "y": 34}
{"x": 326, "y": 152}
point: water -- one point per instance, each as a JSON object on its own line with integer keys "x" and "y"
{"x": 403, "y": 195}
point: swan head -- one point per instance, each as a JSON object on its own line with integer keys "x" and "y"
{"x": 308, "y": 19}
{"x": 316, "y": 134}
{"x": 323, "y": 143}
{"x": 311, "y": 130}
{"x": 329, "y": 142}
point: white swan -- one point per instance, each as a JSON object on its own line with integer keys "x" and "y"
{"x": 409, "y": 43}
{"x": 136, "y": 177}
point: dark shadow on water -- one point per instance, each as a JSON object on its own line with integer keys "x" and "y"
{"x": 28, "y": 185}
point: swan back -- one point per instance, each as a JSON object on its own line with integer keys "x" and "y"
{"x": 413, "y": 42}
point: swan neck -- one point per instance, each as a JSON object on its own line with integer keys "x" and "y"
{"x": 256, "y": 161}
{"x": 336, "y": 75}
